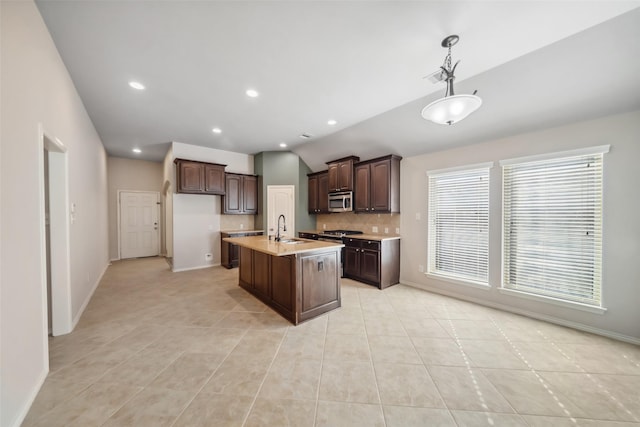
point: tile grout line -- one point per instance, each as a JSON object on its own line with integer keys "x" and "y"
{"x": 324, "y": 349}
{"x": 253, "y": 402}
{"x": 483, "y": 403}
{"x": 537, "y": 375}
{"x": 207, "y": 381}
{"x": 375, "y": 376}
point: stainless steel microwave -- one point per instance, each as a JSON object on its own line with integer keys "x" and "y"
{"x": 341, "y": 202}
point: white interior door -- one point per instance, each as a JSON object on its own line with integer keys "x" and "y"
{"x": 139, "y": 224}
{"x": 281, "y": 201}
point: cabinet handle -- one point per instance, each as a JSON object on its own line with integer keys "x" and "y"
{"x": 373, "y": 209}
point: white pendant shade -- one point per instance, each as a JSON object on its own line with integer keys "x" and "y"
{"x": 451, "y": 109}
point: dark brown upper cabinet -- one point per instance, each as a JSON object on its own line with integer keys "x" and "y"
{"x": 341, "y": 173}
{"x": 377, "y": 185}
{"x": 241, "y": 195}
{"x": 195, "y": 177}
{"x": 318, "y": 192}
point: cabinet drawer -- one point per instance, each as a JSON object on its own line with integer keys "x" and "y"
{"x": 371, "y": 245}
{"x": 352, "y": 243}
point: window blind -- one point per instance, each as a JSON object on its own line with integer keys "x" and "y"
{"x": 458, "y": 241}
{"x": 552, "y": 212}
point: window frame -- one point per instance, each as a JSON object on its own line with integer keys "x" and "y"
{"x": 505, "y": 288}
{"x": 431, "y": 271}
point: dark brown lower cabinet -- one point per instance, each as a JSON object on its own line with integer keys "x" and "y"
{"x": 376, "y": 262}
{"x": 230, "y": 253}
{"x": 299, "y": 287}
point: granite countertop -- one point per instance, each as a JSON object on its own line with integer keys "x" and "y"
{"x": 377, "y": 237}
{"x": 241, "y": 231}
{"x": 271, "y": 247}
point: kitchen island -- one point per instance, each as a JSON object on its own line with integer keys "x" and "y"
{"x": 298, "y": 278}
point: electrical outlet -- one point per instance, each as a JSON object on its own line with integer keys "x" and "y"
{"x": 324, "y": 226}
{"x": 417, "y": 216}
{"x": 421, "y": 268}
{"x": 397, "y": 230}
{"x": 374, "y": 229}
{"x": 241, "y": 226}
{"x": 386, "y": 230}
{"x": 208, "y": 257}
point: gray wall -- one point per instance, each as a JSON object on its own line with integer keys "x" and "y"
{"x": 621, "y": 228}
{"x": 282, "y": 168}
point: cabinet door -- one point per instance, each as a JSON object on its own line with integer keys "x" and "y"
{"x": 232, "y": 199}
{"x": 323, "y": 193}
{"x": 351, "y": 261}
{"x": 333, "y": 177}
{"x": 313, "y": 194}
{"x": 370, "y": 265}
{"x": 345, "y": 175}
{"x": 246, "y": 266}
{"x": 214, "y": 179}
{"x": 250, "y": 194}
{"x": 362, "y": 189}
{"x": 283, "y": 278}
{"x": 191, "y": 176}
{"x": 380, "y": 191}
{"x": 261, "y": 274}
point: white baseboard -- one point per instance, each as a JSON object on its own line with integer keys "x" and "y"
{"x": 22, "y": 414}
{"x": 178, "y": 270}
{"x": 532, "y": 314}
{"x": 78, "y": 315}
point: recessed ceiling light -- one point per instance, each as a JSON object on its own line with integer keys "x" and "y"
{"x": 216, "y": 130}
{"x": 283, "y": 145}
{"x": 137, "y": 150}
{"x": 331, "y": 122}
{"x": 252, "y": 93}
{"x": 136, "y": 85}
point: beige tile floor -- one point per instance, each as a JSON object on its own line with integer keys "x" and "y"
{"x": 156, "y": 348}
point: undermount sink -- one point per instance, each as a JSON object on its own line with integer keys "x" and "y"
{"x": 292, "y": 241}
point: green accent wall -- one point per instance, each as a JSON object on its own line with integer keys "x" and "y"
{"x": 283, "y": 168}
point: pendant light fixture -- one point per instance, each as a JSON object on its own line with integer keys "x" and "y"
{"x": 452, "y": 108}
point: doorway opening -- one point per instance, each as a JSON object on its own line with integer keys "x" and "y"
{"x": 55, "y": 247}
{"x": 138, "y": 224}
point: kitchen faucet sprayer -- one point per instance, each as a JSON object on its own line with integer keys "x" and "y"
{"x": 284, "y": 227}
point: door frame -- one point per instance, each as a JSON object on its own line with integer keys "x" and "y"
{"x": 157, "y": 196}
{"x": 292, "y": 219}
{"x": 59, "y": 229}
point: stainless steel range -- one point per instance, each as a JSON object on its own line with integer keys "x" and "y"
{"x": 336, "y": 235}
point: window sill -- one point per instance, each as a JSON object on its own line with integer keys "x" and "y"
{"x": 554, "y": 301}
{"x": 470, "y": 283}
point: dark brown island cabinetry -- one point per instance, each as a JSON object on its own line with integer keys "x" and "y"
{"x": 318, "y": 192}
{"x": 299, "y": 287}
{"x": 195, "y": 177}
{"x": 377, "y": 185}
{"x": 376, "y": 262}
{"x": 341, "y": 173}
{"x": 241, "y": 194}
{"x": 230, "y": 253}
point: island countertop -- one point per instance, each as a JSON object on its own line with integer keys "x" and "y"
{"x": 271, "y": 247}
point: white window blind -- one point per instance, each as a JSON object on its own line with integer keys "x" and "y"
{"x": 458, "y": 235}
{"x": 553, "y": 227}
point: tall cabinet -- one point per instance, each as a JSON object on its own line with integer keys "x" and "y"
{"x": 318, "y": 192}
{"x": 377, "y": 185}
{"x": 241, "y": 195}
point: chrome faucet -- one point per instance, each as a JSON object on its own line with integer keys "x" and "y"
{"x": 284, "y": 227}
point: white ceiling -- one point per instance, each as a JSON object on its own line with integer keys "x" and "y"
{"x": 534, "y": 63}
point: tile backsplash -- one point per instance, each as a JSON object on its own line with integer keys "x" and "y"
{"x": 368, "y": 223}
{"x": 236, "y": 222}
